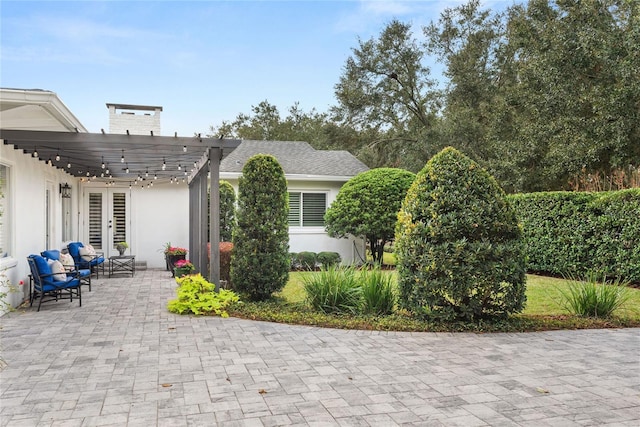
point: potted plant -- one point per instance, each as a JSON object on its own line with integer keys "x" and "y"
{"x": 183, "y": 267}
{"x": 121, "y": 247}
{"x": 173, "y": 254}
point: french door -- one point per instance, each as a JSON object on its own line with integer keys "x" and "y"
{"x": 108, "y": 219}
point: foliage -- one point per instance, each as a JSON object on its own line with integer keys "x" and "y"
{"x": 294, "y": 262}
{"x": 174, "y": 250}
{"x": 334, "y": 290}
{"x": 459, "y": 247}
{"x": 386, "y": 87}
{"x": 260, "y": 257}
{"x": 184, "y": 264}
{"x": 225, "y": 261}
{"x": 542, "y": 312}
{"x": 329, "y": 258}
{"x": 227, "y": 211}
{"x": 196, "y": 295}
{"x": 595, "y": 296}
{"x": 307, "y": 260}
{"x": 367, "y": 205}
{"x": 574, "y": 233}
{"x": 378, "y": 292}
{"x": 540, "y": 94}
{"x": 123, "y": 245}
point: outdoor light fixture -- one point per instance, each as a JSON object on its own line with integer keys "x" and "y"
{"x": 164, "y": 164}
{"x": 103, "y": 165}
{"x": 68, "y": 164}
{"x": 107, "y": 171}
{"x": 65, "y": 191}
{"x": 122, "y": 158}
{"x": 127, "y": 169}
{"x": 57, "y": 157}
{"x": 184, "y": 149}
{"x": 179, "y": 167}
{"x": 35, "y": 151}
{"x": 147, "y": 173}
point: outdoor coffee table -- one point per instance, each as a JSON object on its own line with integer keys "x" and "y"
{"x": 122, "y": 264}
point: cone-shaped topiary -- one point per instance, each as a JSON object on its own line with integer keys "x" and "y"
{"x": 260, "y": 257}
{"x": 227, "y": 211}
{"x": 459, "y": 247}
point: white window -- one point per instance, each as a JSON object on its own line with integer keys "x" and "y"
{"x": 307, "y": 209}
{"x": 5, "y": 218}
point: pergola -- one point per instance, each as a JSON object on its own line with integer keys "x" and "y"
{"x": 142, "y": 160}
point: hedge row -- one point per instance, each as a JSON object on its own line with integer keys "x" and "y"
{"x": 312, "y": 261}
{"x": 573, "y": 233}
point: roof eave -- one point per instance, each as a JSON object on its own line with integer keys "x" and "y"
{"x": 296, "y": 177}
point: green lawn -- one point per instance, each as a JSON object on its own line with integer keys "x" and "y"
{"x": 543, "y": 311}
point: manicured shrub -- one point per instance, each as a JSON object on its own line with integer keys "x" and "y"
{"x": 459, "y": 247}
{"x": 260, "y": 258}
{"x": 329, "y": 258}
{"x": 294, "y": 262}
{"x": 378, "y": 294}
{"x": 227, "y": 211}
{"x": 333, "y": 290}
{"x": 196, "y": 295}
{"x": 307, "y": 260}
{"x": 595, "y": 296}
{"x": 367, "y": 206}
{"x": 575, "y": 233}
{"x": 225, "y": 261}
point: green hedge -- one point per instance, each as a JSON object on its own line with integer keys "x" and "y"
{"x": 574, "y": 233}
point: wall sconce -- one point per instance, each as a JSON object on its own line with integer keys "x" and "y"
{"x": 65, "y": 191}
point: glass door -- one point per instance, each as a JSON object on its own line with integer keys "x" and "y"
{"x": 108, "y": 219}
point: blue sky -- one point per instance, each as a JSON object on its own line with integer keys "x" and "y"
{"x": 202, "y": 61}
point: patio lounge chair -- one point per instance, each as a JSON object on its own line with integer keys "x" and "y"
{"x": 86, "y": 261}
{"x": 84, "y": 273}
{"x": 46, "y": 283}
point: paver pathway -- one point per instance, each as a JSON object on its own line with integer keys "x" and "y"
{"x": 122, "y": 359}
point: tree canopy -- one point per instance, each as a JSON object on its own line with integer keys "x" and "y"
{"x": 539, "y": 94}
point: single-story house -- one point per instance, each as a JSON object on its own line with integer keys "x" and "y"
{"x": 61, "y": 183}
{"x": 314, "y": 178}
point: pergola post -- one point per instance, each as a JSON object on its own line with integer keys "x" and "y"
{"x": 215, "y": 155}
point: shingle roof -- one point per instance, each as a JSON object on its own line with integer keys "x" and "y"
{"x": 296, "y": 158}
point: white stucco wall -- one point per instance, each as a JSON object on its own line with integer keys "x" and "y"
{"x": 159, "y": 215}
{"x": 29, "y": 179}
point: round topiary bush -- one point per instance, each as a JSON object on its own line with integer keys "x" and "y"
{"x": 260, "y": 257}
{"x": 367, "y": 206}
{"x": 459, "y": 247}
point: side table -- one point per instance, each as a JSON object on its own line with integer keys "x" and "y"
{"x": 122, "y": 264}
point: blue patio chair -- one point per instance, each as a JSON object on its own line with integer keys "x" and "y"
{"x": 93, "y": 264}
{"x": 84, "y": 273}
{"x": 47, "y": 287}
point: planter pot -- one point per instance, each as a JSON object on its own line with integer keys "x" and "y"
{"x": 121, "y": 251}
{"x": 179, "y": 272}
{"x": 171, "y": 262}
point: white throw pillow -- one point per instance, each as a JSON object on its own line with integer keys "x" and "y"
{"x": 67, "y": 261}
{"x": 86, "y": 254}
{"x": 58, "y": 271}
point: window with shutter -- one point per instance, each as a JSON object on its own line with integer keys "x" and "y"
{"x": 314, "y": 206}
{"x": 307, "y": 209}
{"x": 119, "y": 218}
{"x": 95, "y": 220}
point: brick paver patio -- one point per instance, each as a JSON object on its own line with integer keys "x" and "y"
{"x": 122, "y": 359}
